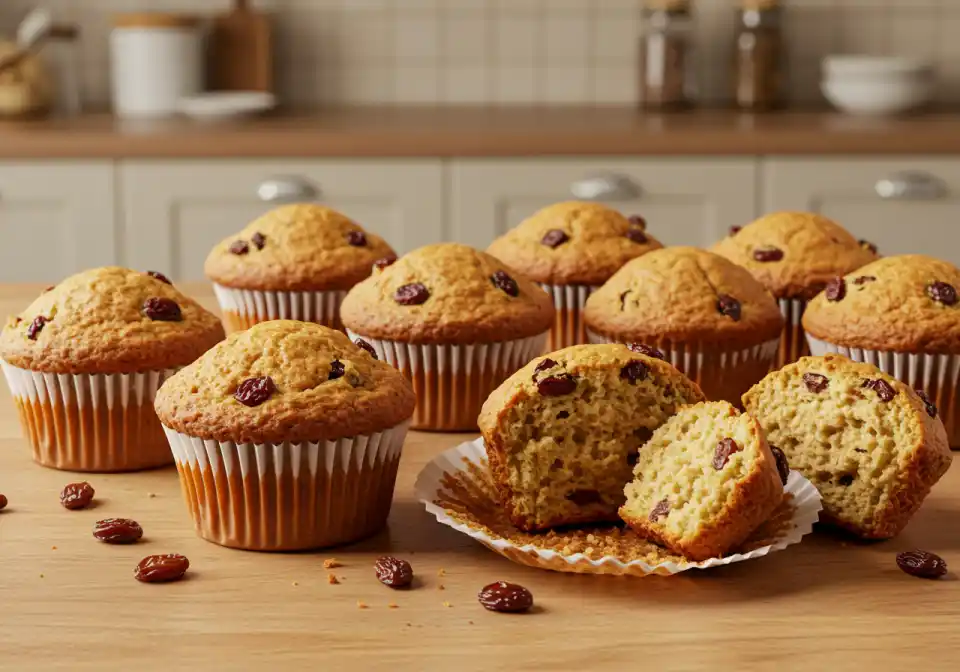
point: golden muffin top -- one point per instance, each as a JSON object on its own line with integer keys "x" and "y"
{"x": 447, "y": 293}
{"x": 301, "y": 247}
{"x": 285, "y": 381}
{"x": 574, "y": 243}
{"x": 109, "y": 320}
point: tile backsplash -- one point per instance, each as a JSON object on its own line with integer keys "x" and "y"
{"x": 507, "y": 52}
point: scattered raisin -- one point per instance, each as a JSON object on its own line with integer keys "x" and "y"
{"x": 922, "y": 564}
{"x": 864, "y": 279}
{"x": 117, "y": 530}
{"x": 815, "y": 382}
{"x": 36, "y": 327}
{"x": 557, "y": 386}
{"x": 637, "y": 221}
{"x": 545, "y": 363}
{"x": 503, "y": 281}
{"x": 661, "y": 509}
{"x": 867, "y": 245}
{"x": 159, "y": 276}
{"x": 929, "y": 405}
{"x": 393, "y": 572}
{"x": 258, "y": 240}
{"x": 411, "y": 295}
{"x": 563, "y": 415}
{"x": 336, "y": 370}
{"x": 637, "y": 236}
{"x": 836, "y": 289}
{"x": 3, "y": 502}
{"x": 943, "y": 293}
{"x": 255, "y": 391}
{"x": 768, "y": 254}
{"x": 646, "y": 350}
{"x": 363, "y": 345}
{"x": 161, "y": 568}
{"x": 383, "y": 262}
{"x": 882, "y": 388}
{"x": 357, "y": 238}
{"x": 846, "y": 480}
{"x": 554, "y": 238}
{"x": 634, "y": 371}
{"x": 734, "y": 230}
{"x": 504, "y": 597}
{"x": 76, "y": 496}
{"x": 162, "y": 310}
{"x": 783, "y": 467}
{"x": 239, "y": 247}
{"x": 725, "y": 448}
{"x": 729, "y": 306}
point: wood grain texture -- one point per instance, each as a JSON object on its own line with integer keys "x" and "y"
{"x": 826, "y": 604}
{"x": 481, "y": 132}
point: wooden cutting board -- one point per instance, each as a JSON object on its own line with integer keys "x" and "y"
{"x": 240, "y": 51}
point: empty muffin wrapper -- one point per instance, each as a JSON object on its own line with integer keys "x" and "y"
{"x": 252, "y": 306}
{"x": 456, "y": 488}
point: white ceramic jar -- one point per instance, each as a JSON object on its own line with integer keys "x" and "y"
{"x": 156, "y": 59}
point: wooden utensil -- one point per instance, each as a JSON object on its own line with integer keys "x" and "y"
{"x": 31, "y": 33}
{"x": 240, "y": 54}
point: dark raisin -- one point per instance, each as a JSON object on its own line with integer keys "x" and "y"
{"x": 36, "y": 327}
{"x": 646, "y": 350}
{"x": 411, "y": 295}
{"x": 725, "y": 448}
{"x": 357, "y": 238}
{"x": 859, "y": 450}
{"x": 922, "y": 564}
{"x": 258, "y": 240}
{"x": 543, "y": 365}
{"x": 563, "y": 415}
{"x": 503, "y": 281}
{"x": 76, "y": 496}
{"x": 867, "y": 245}
{"x": 383, "y": 262}
{"x": 393, "y": 572}
{"x": 239, "y": 247}
{"x": 943, "y": 293}
{"x": 504, "y": 597}
{"x": 768, "y": 254}
{"x": 864, "y": 279}
{"x": 48, "y": 289}
{"x": 162, "y": 568}
{"x": 815, "y": 382}
{"x": 255, "y": 391}
{"x": 637, "y": 221}
{"x": 160, "y": 309}
{"x": 159, "y": 276}
{"x": 661, "y": 509}
{"x": 783, "y": 467}
{"x": 734, "y": 230}
{"x": 554, "y": 238}
{"x": 336, "y": 370}
{"x": 363, "y": 345}
{"x": 3, "y": 502}
{"x": 729, "y": 306}
{"x": 584, "y": 497}
{"x": 882, "y": 388}
{"x": 634, "y": 371}
{"x": 117, "y": 530}
{"x": 846, "y": 480}
{"x": 836, "y": 289}
{"x": 929, "y": 405}
{"x": 637, "y": 236}
{"x": 557, "y": 386}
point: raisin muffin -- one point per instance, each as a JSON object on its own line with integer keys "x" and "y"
{"x": 571, "y": 249}
{"x": 84, "y": 362}
{"x": 295, "y": 262}
{"x": 710, "y": 317}
{"x": 794, "y": 255}
{"x": 455, "y": 322}
{"x": 287, "y": 436}
{"x": 703, "y": 483}
{"x": 900, "y": 314}
{"x": 869, "y": 443}
{"x": 562, "y": 434}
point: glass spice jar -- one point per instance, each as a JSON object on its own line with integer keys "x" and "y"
{"x": 667, "y": 65}
{"x": 759, "y": 55}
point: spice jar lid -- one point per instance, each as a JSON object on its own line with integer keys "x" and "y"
{"x": 759, "y": 4}
{"x": 155, "y": 20}
{"x": 668, "y": 5}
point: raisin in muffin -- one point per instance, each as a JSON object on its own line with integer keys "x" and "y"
{"x": 703, "y": 483}
{"x": 710, "y": 317}
{"x": 295, "y": 262}
{"x": 287, "y": 436}
{"x": 562, "y": 433}
{"x": 570, "y": 249}
{"x": 870, "y": 444}
{"x": 84, "y": 362}
{"x": 455, "y": 322}
{"x": 794, "y": 255}
{"x": 900, "y": 314}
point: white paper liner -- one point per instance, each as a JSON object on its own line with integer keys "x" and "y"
{"x": 349, "y": 483}
{"x": 453, "y": 381}
{"x": 429, "y": 486}
{"x": 94, "y": 441}
{"x": 568, "y": 327}
{"x": 793, "y": 343}
{"x": 259, "y": 306}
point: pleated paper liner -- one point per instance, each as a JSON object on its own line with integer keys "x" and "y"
{"x": 456, "y": 487}
{"x": 568, "y": 327}
{"x": 793, "y": 341}
{"x": 243, "y": 308}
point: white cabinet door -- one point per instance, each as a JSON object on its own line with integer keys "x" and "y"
{"x": 689, "y": 201}
{"x": 903, "y": 205}
{"x": 175, "y": 211}
{"x": 56, "y": 218}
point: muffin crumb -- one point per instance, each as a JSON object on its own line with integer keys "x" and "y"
{"x": 393, "y": 605}
{"x": 53, "y": 548}
{"x": 294, "y": 583}
{"x": 151, "y": 495}
{"x": 440, "y": 586}
{"x": 441, "y": 572}
{"x": 332, "y": 579}
{"x": 447, "y": 604}
{"x": 362, "y": 605}
{"x": 330, "y": 563}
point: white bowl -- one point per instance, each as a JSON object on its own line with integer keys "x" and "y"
{"x": 876, "y": 96}
{"x": 226, "y": 105}
{"x": 853, "y": 66}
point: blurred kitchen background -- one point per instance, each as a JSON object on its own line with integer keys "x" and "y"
{"x": 453, "y": 119}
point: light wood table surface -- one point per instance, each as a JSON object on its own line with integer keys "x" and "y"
{"x": 68, "y": 602}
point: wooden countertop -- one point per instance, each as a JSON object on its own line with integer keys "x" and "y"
{"x": 69, "y": 602}
{"x": 483, "y": 132}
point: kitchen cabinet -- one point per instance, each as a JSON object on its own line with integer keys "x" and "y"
{"x": 56, "y": 218}
{"x": 175, "y": 211}
{"x": 904, "y": 205}
{"x": 689, "y": 201}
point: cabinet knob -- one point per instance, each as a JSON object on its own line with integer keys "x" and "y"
{"x": 286, "y": 190}
{"x": 608, "y": 187}
{"x": 911, "y": 186}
